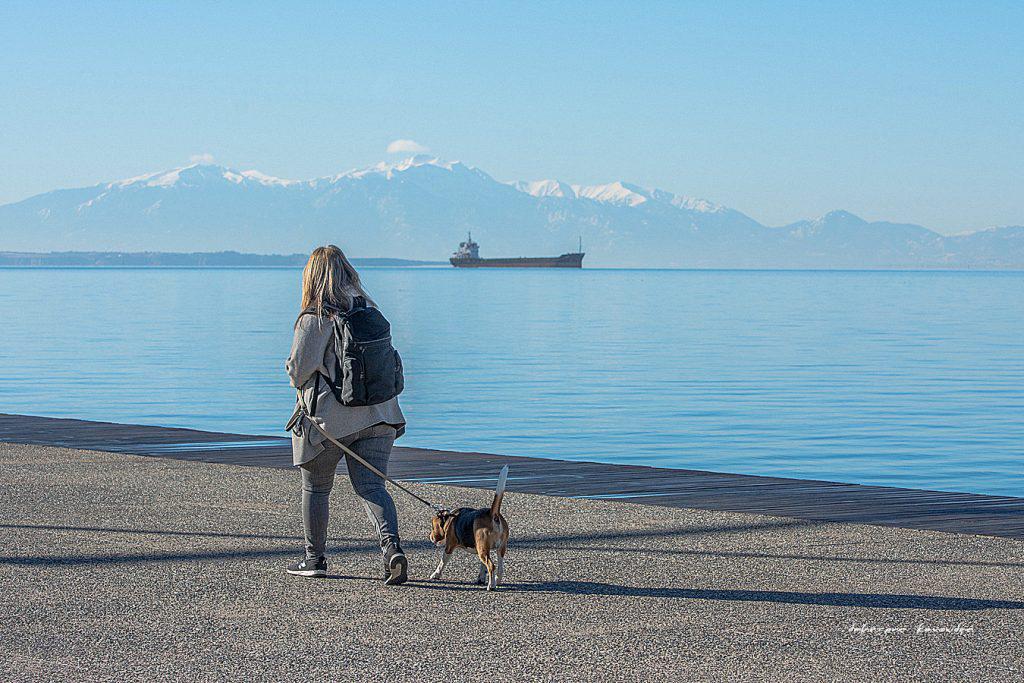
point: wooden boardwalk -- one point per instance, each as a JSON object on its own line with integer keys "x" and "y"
{"x": 802, "y": 499}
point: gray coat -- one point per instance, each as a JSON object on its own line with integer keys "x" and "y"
{"x": 313, "y": 351}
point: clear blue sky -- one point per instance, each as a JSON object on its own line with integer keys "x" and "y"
{"x": 908, "y": 111}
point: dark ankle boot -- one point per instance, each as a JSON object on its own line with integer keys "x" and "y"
{"x": 396, "y": 567}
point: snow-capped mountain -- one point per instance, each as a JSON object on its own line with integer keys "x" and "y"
{"x": 611, "y": 193}
{"x": 422, "y": 207}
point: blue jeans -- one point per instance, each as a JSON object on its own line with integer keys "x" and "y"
{"x": 374, "y": 445}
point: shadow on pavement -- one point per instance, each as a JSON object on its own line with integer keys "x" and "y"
{"x": 872, "y": 600}
{"x": 791, "y": 556}
{"x": 866, "y": 600}
{"x": 662, "y": 544}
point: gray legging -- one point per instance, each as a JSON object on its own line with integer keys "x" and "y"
{"x": 374, "y": 445}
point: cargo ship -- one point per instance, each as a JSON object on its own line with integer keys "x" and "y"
{"x": 468, "y": 256}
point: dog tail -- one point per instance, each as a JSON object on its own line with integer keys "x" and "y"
{"x": 499, "y": 491}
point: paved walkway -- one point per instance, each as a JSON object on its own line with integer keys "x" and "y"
{"x": 120, "y": 567}
{"x": 678, "y": 488}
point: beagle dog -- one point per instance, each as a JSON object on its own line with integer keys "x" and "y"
{"x": 479, "y": 531}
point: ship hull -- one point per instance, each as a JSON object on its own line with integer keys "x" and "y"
{"x": 563, "y": 261}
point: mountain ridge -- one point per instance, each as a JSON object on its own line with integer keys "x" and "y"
{"x": 420, "y": 207}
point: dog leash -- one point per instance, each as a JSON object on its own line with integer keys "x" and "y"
{"x": 350, "y": 452}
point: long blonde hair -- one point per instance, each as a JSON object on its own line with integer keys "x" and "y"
{"x": 329, "y": 282}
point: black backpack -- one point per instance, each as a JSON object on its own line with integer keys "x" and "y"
{"x": 369, "y": 369}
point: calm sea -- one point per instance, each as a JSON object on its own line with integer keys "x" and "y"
{"x": 897, "y": 378}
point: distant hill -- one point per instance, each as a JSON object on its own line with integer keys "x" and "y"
{"x": 218, "y": 259}
{"x": 422, "y": 207}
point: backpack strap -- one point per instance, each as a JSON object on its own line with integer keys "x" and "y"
{"x": 338, "y": 371}
{"x": 316, "y": 394}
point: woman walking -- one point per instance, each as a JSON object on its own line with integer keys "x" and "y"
{"x": 331, "y": 288}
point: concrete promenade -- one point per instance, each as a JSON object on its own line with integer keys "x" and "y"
{"x": 823, "y": 501}
{"x": 121, "y": 567}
